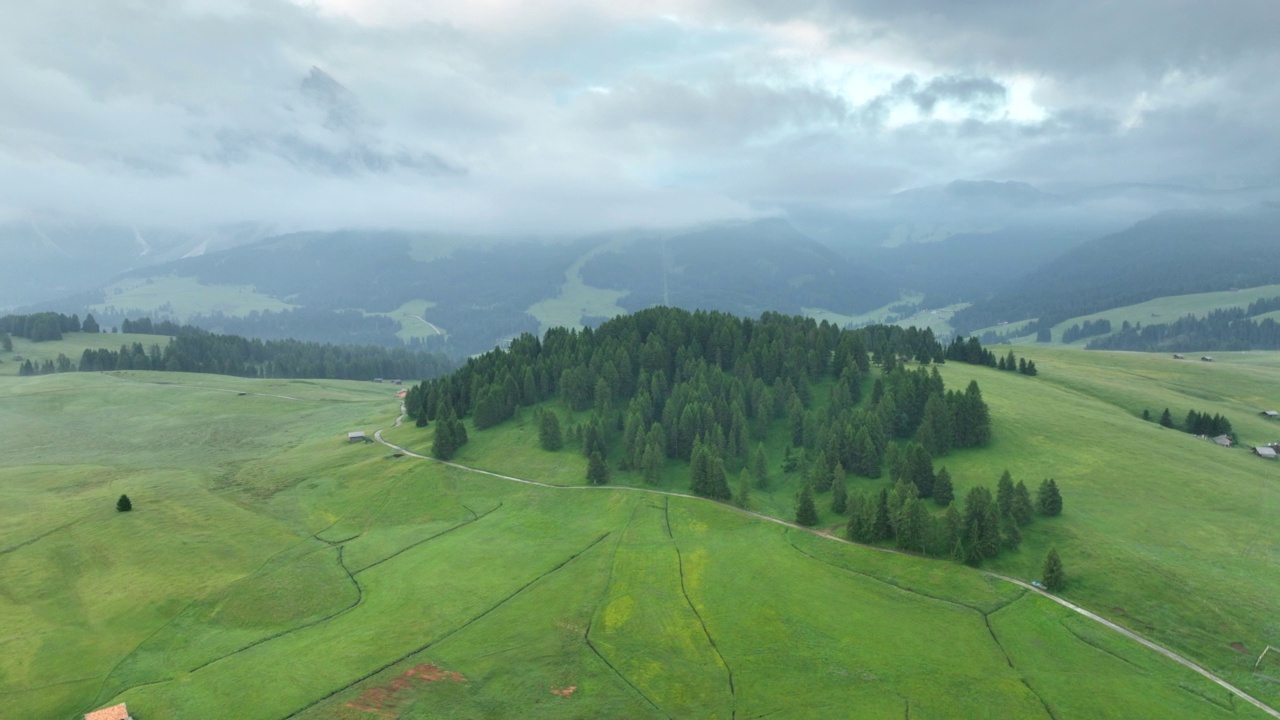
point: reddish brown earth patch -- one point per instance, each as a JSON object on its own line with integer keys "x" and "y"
{"x": 1239, "y": 647}
{"x": 566, "y": 692}
{"x": 386, "y": 699}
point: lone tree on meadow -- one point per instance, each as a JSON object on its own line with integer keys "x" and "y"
{"x": 806, "y": 513}
{"x": 124, "y": 504}
{"x": 1054, "y": 577}
{"x": 1166, "y": 418}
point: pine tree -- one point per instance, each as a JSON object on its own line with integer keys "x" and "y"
{"x": 6, "y": 342}
{"x": 858, "y": 529}
{"x": 719, "y": 480}
{"x": 912, "y": 524}
{"x": 597, "y": 470}
{"x": 881, "y": 527}
{"x": 445, "y": 443}
{"x": 124, "y": 504}
{"x": 806, "y": 513}
{"x": 1022, "y": 507}
{"x": 760, "y": 469}
{"x": 1146, "y": 414}
{"x": 743, "y": 498}
{"x": 1166, "y": 419}
{"x": 652, "y": 464}
{"x": 90, "y": 325}
{"x": 1012, "y": 533}
{"x": 919, "y": 470}
{"x": 549, "y": 432}
{"x": 943, "y": 491}
{"x": 820, "y": 473}
{"x": 839, "y": 494}
{"x": 1054, "y": 577}
{"x": 1004, "y": 494}
{"x": 1048, "y": 499}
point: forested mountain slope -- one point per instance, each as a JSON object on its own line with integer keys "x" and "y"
{"x": 1173, "y": 253}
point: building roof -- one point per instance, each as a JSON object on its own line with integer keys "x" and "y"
{"x": 1223, "y": 440}
{"x": 1266, "y": 452}
{"x": 1271, "y": 413}
{"x": 356, "y": 434}
{"x": 115, "y": 712}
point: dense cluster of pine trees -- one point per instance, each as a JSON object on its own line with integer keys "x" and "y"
{"x": 1197, "y": 423}
{"x": 1090, "y": 328}
{"x": 985, "y": 526}
{"x": 971, "y": 351}
{"x": 1229, "y": 329}
{"x": 194, "y": 350}
{"x": 704, "y": 387}
{"x": 45, "y": 326}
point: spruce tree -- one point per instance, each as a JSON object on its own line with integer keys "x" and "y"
{"x": 1012, "y": 533}
{"x": 124, "y": 504}
{"x": 1166, "y": 419}
{"x": 652, "y": 464}
{"x": 444, "y": 444}
{"x": 1054, "y": 578}
{"x": 743, "y": 498}
{"x": 1022, "y": 507}
{"x": 1004, "y": 494}
{"x": 858, "y": 529}
{"x": 881, "y": 527}
{"x": 919, "y": 471}
{"x": 760, "y": 469}
{"x": 6, "y": 343}
{"x": 806, "y": 513}
{"x": 597, "y": 470}
{"x": 943, "y": 491}
{"x": 1146, "y": 414}
{"x": 549, "y": 432}
{"x": 1048, "y": 499}
{"x": 839, "y": 494}
{"x": 719, "y": 480}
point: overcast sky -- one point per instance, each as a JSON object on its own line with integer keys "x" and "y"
{"x": 500, "y": 115}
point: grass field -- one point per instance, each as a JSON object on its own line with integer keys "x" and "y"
{"x": 182, "y": 297}
{"x": 73, "y": 346}
{"x": 1156, "y": 312}
{"x": 936, "y": 319}
{"x": 271, "y": 570}
{"x": 576, "y": 299}
{"x": 1164, "y": 532}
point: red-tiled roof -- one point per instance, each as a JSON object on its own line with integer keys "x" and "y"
{"x": 115, "y": 712}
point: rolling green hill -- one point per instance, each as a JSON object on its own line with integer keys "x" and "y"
{"x": 270, "y": 569}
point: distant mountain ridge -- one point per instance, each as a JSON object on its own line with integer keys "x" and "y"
{"x": 1173, "y": 253}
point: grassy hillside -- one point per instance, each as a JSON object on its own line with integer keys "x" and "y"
{"x": 1158, "y": 311}
{"x": 1163, "y": 532}
{"x": 271, "y": 570}
{"x": 72, "y": 345}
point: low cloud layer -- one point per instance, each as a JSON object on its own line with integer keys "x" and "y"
{"x": 573, "y": 116}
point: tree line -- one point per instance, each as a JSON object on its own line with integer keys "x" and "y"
{"x": 1090, "y": 328}
{"x": 1227, "y": 329}
{"x": 199, "y": 351}
{"x": 45, "y": 326}
{"x": 987, "y": 523}
{"x": 1197, "y": 423}
{"x": 970, "y": 351}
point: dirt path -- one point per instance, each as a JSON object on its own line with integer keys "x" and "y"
{"x": 428, "y": 323}
{"x": 1185, "y": 662}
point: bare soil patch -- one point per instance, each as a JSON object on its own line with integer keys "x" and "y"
{"x": 386, "y": 700}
